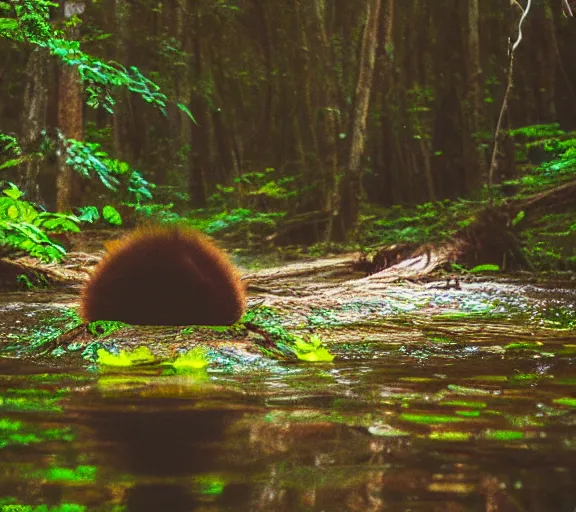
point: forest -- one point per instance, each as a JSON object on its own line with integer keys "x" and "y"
{"x": 298, "y": 123}
{"x": 291, "y": 255}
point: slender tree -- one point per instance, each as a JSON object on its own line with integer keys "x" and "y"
{"x": 70, "y": 119}
{"x": 351, "y": 184}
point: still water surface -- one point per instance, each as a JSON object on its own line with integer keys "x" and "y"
{"x": 457, "y": 428}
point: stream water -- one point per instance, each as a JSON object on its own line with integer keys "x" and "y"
{"x": 472, "y": 422}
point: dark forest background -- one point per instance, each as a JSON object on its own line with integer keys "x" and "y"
{"x": 273, "y": 88}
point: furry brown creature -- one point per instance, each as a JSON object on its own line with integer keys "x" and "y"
{"x": 164, "y": 276}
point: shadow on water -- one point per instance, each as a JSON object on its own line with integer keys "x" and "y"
{"x": 409, "y": 431}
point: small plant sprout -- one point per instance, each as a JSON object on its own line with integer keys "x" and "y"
{"x": 311, "y": 350}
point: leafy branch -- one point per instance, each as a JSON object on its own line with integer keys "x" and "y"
{"x": 31, "y": 23}
{"x": 88, "y": 159}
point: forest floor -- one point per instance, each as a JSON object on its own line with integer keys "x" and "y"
{"x": 412, "y": 302}
{"x": 404, "y": 290}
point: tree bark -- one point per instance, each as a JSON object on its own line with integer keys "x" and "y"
{"x": 351, "y": 184}
{"x": 34, "y": 118}
{"x": 475, "y": 161}
{"x": 70, "y": 120}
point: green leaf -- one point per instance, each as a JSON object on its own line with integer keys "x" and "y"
{"x": 464, "y": 403}
{"x": 311, "y": 350}
{"x": 524, "y": 345}
{"x": 111, "y": 215}
{"x": 319, "y": 355}
{"x": 57, "y": 222}
{"x": 485, "y": 268}
{"x": 571, "y": 402}
{"x": 8, "y": 25}
{"x": 105, "y": 327}
{"x": 503, "y": 435}
{"x": 12, "y": 162}
{"x": 429, "y": 419}
{"x": 184, "y": 109}
{"x": 82, "y": 474}
{"x": 88, "y": 214}
{"x": 195, "y": 359}
{"x": 519, "y": 216}
{"x": 450, "y": 436}
{"x": 140, "y": 355}
{"x": 13, "y": 191}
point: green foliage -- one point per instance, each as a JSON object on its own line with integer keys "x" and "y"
{"x": 570, "y": 402}
{"x": 111, "y": 215}
{"x": 287, "y": 344}
{"x": 30, "y": 23}
{"x": 159, "y": 212}
{"x": 140, "y": 355}
{"x": 63, "y": 507}
{"x": 538, "y": 132}
{"x": 519, "y": 216}
{"x": 80, "y": 474}
{"x": 19, "y": 433}
{"x": 255, "y": 189}
{"x": 424, "y": 223}
{"x": 88, "y": 159}
{"x": 546, "y": 157}
{"x": 478, "y": 269}
{"x": 311, "y": 349}
{"x": 485, "y": 268}
{"x": 420, "y": 112}
{"x": 104, "y": 327}
{"x": 11, "y": 154}
{"x": 88, "y": 214}
{"x": 24, "y": 280}
{"x": 24, "y": 228}
{"x": 264, "y": 183}
{"x": 221, "y": 221}
{"x": 550, "y": 241}
{"x": 195, "y": 359}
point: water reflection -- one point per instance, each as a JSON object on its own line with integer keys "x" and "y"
{"x": 467, "y": 434}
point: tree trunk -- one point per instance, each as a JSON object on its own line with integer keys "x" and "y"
{"x": 474, "y": 157}
{"x": 34, "y": 118}
{"x": 351, "y": 184}
{"x": 70, "y": 120}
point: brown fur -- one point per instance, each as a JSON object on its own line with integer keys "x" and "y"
{"x": 164, "y": 276}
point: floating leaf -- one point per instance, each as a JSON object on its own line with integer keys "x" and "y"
{"x": 195, "y": 359}
{"x": 468, "y": 414}
{"x": 140, "y": 355}
{"x": 503, "y": 435}
{"x": 524, "y": 345}
{"x": 566, "y": 401}
{"x": 464, "y": 403}
{"x": 81, "y": 474}
{"x": 429, "y": 419}
{"x": 450, "y": 436}
{"x": 209, "y": 485}
{"x": 311, "y": 350}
